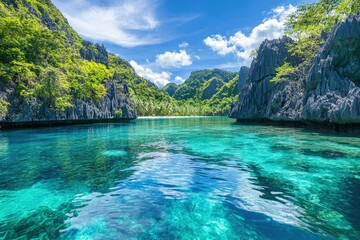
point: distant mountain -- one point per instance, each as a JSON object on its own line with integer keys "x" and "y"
{"x": 212, "y": 90}
{"x": 202, "y": 84}
{"x": 49, "y": 73}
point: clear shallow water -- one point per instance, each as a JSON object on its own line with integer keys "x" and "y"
{"x": 191, "y": 178}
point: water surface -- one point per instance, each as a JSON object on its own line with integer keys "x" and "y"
{"x": 186, "y": 178}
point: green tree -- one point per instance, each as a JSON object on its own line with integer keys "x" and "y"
{"x": 308, "y": 24}
{"x": 3, "y": 108}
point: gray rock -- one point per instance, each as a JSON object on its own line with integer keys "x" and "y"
{"x": 212, "y": 88}
{"x": 115, "y": 105}
{"x": 94, "y": 52}
{"x": 243, "y": 74}
{"x": 31, "y": 9}
{"x": 11, "y": 2}
{"x": 328, "y": 92}
{"x": 333, "y": 83}
{"x": 48, "y": 22}
{"x": 261, "y": 99}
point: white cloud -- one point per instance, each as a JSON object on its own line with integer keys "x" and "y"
{"x": 179, "y": 80}
{"x": 174, "y": 59}
{"x": 160, "y": 79}
{"x": 126, "y": 23}
{"x": 183, "y": 45}
{"x": 219, "y": 44}
{"x": 242, "y": 45}
{"x": 197, "y": 57}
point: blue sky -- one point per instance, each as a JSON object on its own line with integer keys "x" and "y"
{"x": 164, "y": 40}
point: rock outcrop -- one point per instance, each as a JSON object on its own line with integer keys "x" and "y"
{"x": 212, "y": 88}
{"x": 94, "y": 52}
{"x": 333, "y": 83}
{"x": 327, "y": 93}
{"x": 261, "y": 99}
{"x": 22, "y": 112}
{"x": 243, "y": 74}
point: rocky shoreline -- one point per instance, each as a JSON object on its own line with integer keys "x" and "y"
{"x": 326, "y": 94}
{"x": 114, "y": 107}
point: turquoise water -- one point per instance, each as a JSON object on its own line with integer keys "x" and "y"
{"x": 191, "y": 178}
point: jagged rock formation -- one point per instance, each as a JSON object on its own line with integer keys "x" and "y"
{"x": 333, "y": 83}
{"x": 94, "y": 52}
{"x": 243, "y": 74}
{"x": 115, "y": 105}
{"x": 328, "y": 92}
{"x": 211, "y": 88}
{"x": 260, "y": 98}
{"x": 19, "y": 110}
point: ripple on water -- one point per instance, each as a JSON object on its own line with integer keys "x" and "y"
{"x": 178, "y": 179}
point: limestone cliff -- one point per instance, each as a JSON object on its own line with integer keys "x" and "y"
{"x": 45, "y": 43}
{"x": 34, "y": 111}
{"x": 327, "y": 93}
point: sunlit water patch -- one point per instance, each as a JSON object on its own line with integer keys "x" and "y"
{"x": 195, "y": 178}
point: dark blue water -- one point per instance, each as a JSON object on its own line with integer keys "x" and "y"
{"x": 191, "y": 178}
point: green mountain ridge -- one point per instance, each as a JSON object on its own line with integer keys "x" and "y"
{"x": 36, "y": 37}
{"x": 213, "y": 89}
{"x": 38, "y": 44}
{"x": 198, "y": 82}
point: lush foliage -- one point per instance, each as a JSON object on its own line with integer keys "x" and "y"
{"x": 310, "y": 21}
{"x": 206, "y": 92}
{"x": 220, "y": 103}
{"x": 194, "y": 86}
{"x": 283, "y": 72}
{"x": 3, "y": 107}
{"x": 309, "y": 26}
{"x": 40, "y": 54}
{"x": 45, "y": 63}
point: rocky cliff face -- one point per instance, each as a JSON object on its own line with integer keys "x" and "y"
{"x": 261, "y": 99}
{"x": 328, "y": 92}
{"x": 243, "y": 74}
{"x": 94, "y": 52}
{"x": 115, "y": 105}
{"x": 19, "y": 110}
{"x": 211, "y": 89}
{"x": 333, "y": 83}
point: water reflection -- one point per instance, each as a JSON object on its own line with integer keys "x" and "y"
{"x": 179, "y": 179}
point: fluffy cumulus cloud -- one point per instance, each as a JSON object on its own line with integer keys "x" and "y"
{"x": 127, "y": 23}
{"x": 241, "y": 44}
{"x": 159, "y": 78}
{"x": 174, "y": 59}
{"x": 179, "y": 80}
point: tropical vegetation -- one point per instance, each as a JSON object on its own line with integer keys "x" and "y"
{"x": 309, "y": 26}
{"x": 46, "y": 59}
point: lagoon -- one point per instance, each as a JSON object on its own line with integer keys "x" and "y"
{"x": 179, "y": 178}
